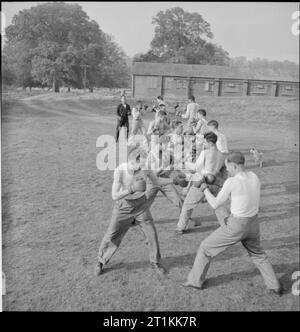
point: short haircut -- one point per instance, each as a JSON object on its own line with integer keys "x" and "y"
{"x": 192, "y": 98}
{"x": 213, "y": 123}
{"x": 139, "y": 102}
{"x": 211, "y": 137}
{"x": 161, "y": 113}
{"x": 236, "y": 158}
{"x": 160, "y": 98}
{"x": 175, "y": 123}
{"x": 202, "y": 111}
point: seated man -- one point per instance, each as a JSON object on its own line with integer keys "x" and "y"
{"x": 210, "y": 162}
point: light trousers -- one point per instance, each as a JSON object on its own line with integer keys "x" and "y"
{"x": 127, "y": 213}
{"x": 232, "y": 231}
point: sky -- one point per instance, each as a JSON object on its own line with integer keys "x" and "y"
{"x": 259, "y": 29}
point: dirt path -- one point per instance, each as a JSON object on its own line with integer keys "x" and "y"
{"x": 57, "y": 205}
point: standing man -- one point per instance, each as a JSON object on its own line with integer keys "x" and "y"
{"x": 240, "y": 225}
{"x": 201, "y": 126}
{"x": 159, "y": 102}
{"x": 159, "y": 125}
{"x": 137, "y": 120}
{"x": 123, "y": 110}
{"x": 210, "y": 162}
{"x": 222, "y": 145}
{"x": 132, "y": 204}
{"x": 191, "y": 112}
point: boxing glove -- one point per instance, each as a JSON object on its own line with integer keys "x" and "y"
{"x": 138, "y": 185}
{"x": 209, "y": 178}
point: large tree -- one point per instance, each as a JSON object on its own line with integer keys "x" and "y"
{"x": 183, "y": 37}
{"x": 57, "y": 43}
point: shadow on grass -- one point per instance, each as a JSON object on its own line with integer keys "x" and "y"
{"x": 285, "y": 280}
{"x": 169, "y": 262}
{"x": 196, "y": 220}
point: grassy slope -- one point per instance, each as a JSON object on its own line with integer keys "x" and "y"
{"x": 57, "y": 205}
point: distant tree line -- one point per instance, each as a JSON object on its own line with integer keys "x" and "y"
{"x": 56, "y": 44}
{"x": 183, "y": 37}
{"x": 286, "y": 69}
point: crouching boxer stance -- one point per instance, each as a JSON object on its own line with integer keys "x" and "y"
{"x": 208, "y": 169}
{"x": 132, "y": 208}
{"x": 240, "y": 225}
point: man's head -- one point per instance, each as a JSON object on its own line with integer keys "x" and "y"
{"x": 162, "y": 107}
{"x": 201, "y": 113}
{"x": 159, "y": 99}
{"x": 191, "y": 99}
{"x": 161, "y": 115}
{"x": 136, "y": 156}
{"x": 123, "y": 99}
{"x": 178, "y": 127}
{"x": 210, "y": 139}
{"x": 139, "y": 104}
{"x": 213, "y": 125}
{"x": 235, "y": 163}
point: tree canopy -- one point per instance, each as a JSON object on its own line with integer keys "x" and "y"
{"x": 54, "y": 43}
{"x": 183, "y": 37}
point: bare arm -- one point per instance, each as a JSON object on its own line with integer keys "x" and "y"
{"x": 198, "y": 165}
{"x": 117, "y": 192}
{"x": 187, "y": 114}
{"x": 197, "y": 127}
{"x": 157, "y": 181}
{"x": 150, "y": 128}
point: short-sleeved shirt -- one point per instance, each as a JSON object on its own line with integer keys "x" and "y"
{"x": 136, "y": 114}
{"x": 222, "y": 143}
{"x": 201, "y": 127}
{"x": 191, "y": 112}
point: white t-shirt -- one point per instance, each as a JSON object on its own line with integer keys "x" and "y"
{"x": 136, "y": 114}
{"x": 191, "y": 111}
{"x": 244, "y": 190}
{"x": 222, "y": 143}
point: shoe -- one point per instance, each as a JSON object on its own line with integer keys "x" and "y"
{"x": 98, "y": 269}
{"x": 158, "y": 268}
{"x": 180, "y": 231}
{"x": 192, "y": 286}
{"x": 277, "y": 292}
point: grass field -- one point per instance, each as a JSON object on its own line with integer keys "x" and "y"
{"x": 56, "y": 206}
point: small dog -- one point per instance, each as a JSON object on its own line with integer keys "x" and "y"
{"x": 257, "y": 156}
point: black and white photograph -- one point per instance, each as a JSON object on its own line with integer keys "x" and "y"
{"x": 150, "y": 159}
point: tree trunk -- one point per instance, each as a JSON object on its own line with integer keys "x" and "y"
{"x": 69, "y": 89}
{"x": 55, "y": 86}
